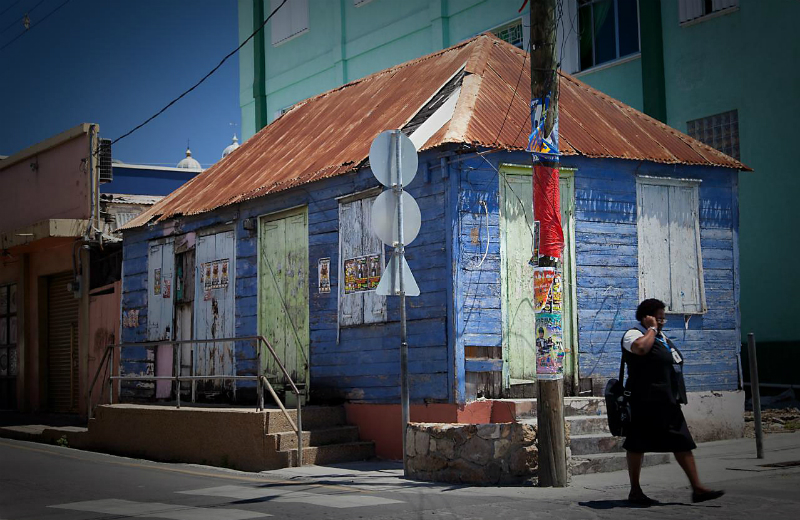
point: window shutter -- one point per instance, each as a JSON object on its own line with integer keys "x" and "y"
{"x": 290, "y": 20}
{"x": 351, "y": 306}
{"x": 654, "y": 246}
{"x": 684, "y": 245}
{"x": 689, "y": 9}
{"x": 374, "y": 304}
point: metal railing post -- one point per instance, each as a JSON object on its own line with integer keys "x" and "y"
{"x": 178, "y": 376}
{"x": 756, "y": 393}
{"x": 299, "y": 433}
{"x": 111, "y": 375}
{"x": 193, "y": 372}
{"x": 259, "y": 387}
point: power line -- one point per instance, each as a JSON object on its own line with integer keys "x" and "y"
{"x": 21, "y": 17}
{"x": 202, "y": 80}
{"x": 45, "y": 17}
{"x": 9, "y": 7}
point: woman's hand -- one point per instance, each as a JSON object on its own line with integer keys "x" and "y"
{"x": 649, "y": 321}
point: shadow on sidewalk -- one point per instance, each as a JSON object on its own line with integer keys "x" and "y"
{"x": 624, "y": 504}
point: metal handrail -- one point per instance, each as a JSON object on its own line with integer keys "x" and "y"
{"x": 260, "y": 378}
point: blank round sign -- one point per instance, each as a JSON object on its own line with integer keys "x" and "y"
{"x": 382, "y": 154}
{"x": 384, "y": 218}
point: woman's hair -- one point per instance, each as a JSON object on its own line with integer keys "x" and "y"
{"x": 649, "y": 307}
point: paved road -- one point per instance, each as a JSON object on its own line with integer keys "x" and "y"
{"x": 42, "y": 482}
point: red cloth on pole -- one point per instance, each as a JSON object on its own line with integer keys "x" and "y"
{"x": 547, "y": 210}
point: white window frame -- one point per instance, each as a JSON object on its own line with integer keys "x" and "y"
{"x": 673, "y": 307}
{"x": 619, "y": 59}
{"x": 295, "y": 14}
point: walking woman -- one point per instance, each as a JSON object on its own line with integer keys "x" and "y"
{"x": 657, "y": 390}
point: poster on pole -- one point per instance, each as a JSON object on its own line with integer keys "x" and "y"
{"x": 549, "y": 347}
{"x": 543, "y": 278}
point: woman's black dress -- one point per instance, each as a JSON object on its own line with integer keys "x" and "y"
{"x": 655, "y": 381}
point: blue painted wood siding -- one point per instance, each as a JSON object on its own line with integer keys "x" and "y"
{"x": 607, "y": 271}
{"x": 364, "y": 366}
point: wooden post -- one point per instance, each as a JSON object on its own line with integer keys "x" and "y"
{"x": 756, "y": 393}
{"x": 544, "y": 82}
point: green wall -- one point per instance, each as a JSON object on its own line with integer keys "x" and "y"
{"x": 345, "y": 43}
{"x": 621, "y": 80}
{"x": 747, "y": 60}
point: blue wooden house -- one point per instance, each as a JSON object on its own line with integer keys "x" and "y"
{"x": 275, "y": 239}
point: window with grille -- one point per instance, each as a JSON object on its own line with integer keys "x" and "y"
{"x": 511, "y": 32}
{"x": 689, "y": 10}
{"x": 8, "y": 346}
{"x": 720, "y": 131}
{"x": 607, "y": 30}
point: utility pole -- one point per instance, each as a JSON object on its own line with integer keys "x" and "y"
{"x": 544, "y": 148}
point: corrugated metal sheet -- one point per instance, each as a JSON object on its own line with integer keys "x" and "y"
{"x": 330, "y": 134}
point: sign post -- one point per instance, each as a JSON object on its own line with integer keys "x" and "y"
{"x": 396, "y": 220}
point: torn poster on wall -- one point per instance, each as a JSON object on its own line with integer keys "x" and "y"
{"x": 157, "y": 281}
{"x": 324, "y": 275}
{"x": 130, "y": 319}
{"x": 362, "y": 273}
{"x": 549, "y": 347}
{"x": 215, "y": 275}
{"x": 166, "y": 287}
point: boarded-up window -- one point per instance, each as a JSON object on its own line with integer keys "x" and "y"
{"x": 670, "y": 260}
{"x": 358, "y": 249}
{"x": 290, "y": 20}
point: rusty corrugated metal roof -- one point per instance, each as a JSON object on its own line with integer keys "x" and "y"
{"x": 330, "y": 134}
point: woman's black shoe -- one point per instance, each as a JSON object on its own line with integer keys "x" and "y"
{"x": 704, "y": 496}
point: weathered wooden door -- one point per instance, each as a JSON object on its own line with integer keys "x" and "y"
{"x": 516, "y": 232}
{"x": 283, "y": 292}
{"x": 62, "y": 345}
{"x": 161, "y": 267}
{"x": 213, "y": 313}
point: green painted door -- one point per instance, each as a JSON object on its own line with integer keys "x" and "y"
{"x": 519, "y": 321}
{"x": 283, "y": 292}
{"x": 516, "y": 224}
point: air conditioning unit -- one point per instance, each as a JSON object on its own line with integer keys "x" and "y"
{"x": 104, "y": 161}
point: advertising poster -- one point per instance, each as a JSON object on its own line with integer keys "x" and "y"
{"x": 157, "y": 282}
{"x": 362, "y": 273}
{"x": 535, "y": 257}
{"x": 375, "y": 271}
{"x": 324, "y": 275}
{"x": 215, "y": 275}
{"x": 166, "y": 289}
{"x": 549, "y": 347}
{"x": 542, "y": 282}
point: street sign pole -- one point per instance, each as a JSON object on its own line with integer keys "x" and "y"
{"x": 396, "y": 220}
{"x": 400, "y": 255}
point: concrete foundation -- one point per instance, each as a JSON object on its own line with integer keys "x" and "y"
{"x": 714, "y": 416}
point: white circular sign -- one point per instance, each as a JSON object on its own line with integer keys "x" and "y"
{"x": 383, "y": 156}
{"x": 384, "y": 218}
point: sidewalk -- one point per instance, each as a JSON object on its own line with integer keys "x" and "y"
{"x": 753, "y": 491}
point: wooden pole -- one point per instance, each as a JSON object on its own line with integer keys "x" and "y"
{"x": 544, "y": 82}
{"x": 756, "y": 393}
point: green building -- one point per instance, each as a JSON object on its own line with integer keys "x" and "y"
{"x": 722, "y": 71}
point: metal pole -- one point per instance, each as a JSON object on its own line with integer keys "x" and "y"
{"x": 111, "y": 375}
{"x": 259, "y": 388}
{"x": 299, "y": 433}
{"x": 178, "y": 376}
{"x": 751, "y": 355}
{"x": 399, "y": 256}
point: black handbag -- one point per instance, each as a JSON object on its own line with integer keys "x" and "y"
{"x": 618, "y": 406}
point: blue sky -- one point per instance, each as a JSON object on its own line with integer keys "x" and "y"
{"x": 116, "y": 63}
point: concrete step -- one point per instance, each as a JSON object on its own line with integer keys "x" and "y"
{"x": 607, "y": 462}
{"x": 526, "y": 408}
{"x": 333, "y": 453}
{"x": 314, "y": 418}
{"x": 321, "y": 437}
{"x": 587, "y": 424}
{"x": 595, "y": 443}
